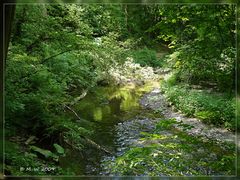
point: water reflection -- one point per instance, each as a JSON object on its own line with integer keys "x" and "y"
{"x": 106, "y": 106}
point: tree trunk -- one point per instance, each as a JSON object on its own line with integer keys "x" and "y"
{"x": 9, "y": 11}
{"x": 6, "y": 23}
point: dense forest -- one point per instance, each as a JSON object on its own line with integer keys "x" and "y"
{"x": 121, "y": 89}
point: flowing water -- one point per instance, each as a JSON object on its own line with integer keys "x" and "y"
{"x": 117, "y": 120}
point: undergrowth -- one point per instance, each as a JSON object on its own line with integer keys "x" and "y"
{"x": 146, "y": 57}
{"x": 174, "y": 154}
{"x": 23, "y": 160}
{"x": 211, "y": 107}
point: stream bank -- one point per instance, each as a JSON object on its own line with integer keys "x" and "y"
{"x": 156, "y": 101}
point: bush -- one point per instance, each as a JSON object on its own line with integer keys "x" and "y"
{"x": 196, "y": 66}
{"x": 146, "y": 57}
{"x": 212, "y": 108}
{"x": 26, "y": 160}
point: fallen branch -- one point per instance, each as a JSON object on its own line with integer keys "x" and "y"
{"x": 79, "y": 97}
{"x": 88, "y": 141}
{"x": 74, "y": 112}
{"x": 97, "y": 145}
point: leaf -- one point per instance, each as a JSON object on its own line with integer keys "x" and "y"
{"x": 59, "y": 148}
{"x": 44, "y": 152}
{"x": 30, "y": 140}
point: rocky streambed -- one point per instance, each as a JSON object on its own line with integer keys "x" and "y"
{"x": 125, "y": 121}
{"x": 130, "y": 133}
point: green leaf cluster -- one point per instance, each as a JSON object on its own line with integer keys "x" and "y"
{"x": 164, "y": 154}
{"x": 210, "y": 107}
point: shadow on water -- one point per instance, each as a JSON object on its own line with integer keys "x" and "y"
{"x": 106, "y": 107}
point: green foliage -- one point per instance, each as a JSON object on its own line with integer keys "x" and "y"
{"x": 196, "y": 65}
{"x": 104, "y": 19}
{"x": 163, "y": 154}
{"x": 172, "y": 80}
{"x": 166, "y": 124}
{"x": 203, "y": 51}
{"x": 59, "y": 51}
{"x": 54, "y": 56}
{"x": 210, "y": 107}
{"x": 59, "y": 149}
{"x": 23, "y": 161}
{"x": 49, "y": 154}
{"x": 54, "y": 53}
{"x": 44, "y": 152}
{"x": 146, "y": 57}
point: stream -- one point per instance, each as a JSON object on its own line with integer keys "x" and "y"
{"x": 117, "y": 120}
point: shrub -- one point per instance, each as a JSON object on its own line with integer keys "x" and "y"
{"x": 22, "y": 161}
{"x": 212, "y": 108}
{"x": 146, "y": 57}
